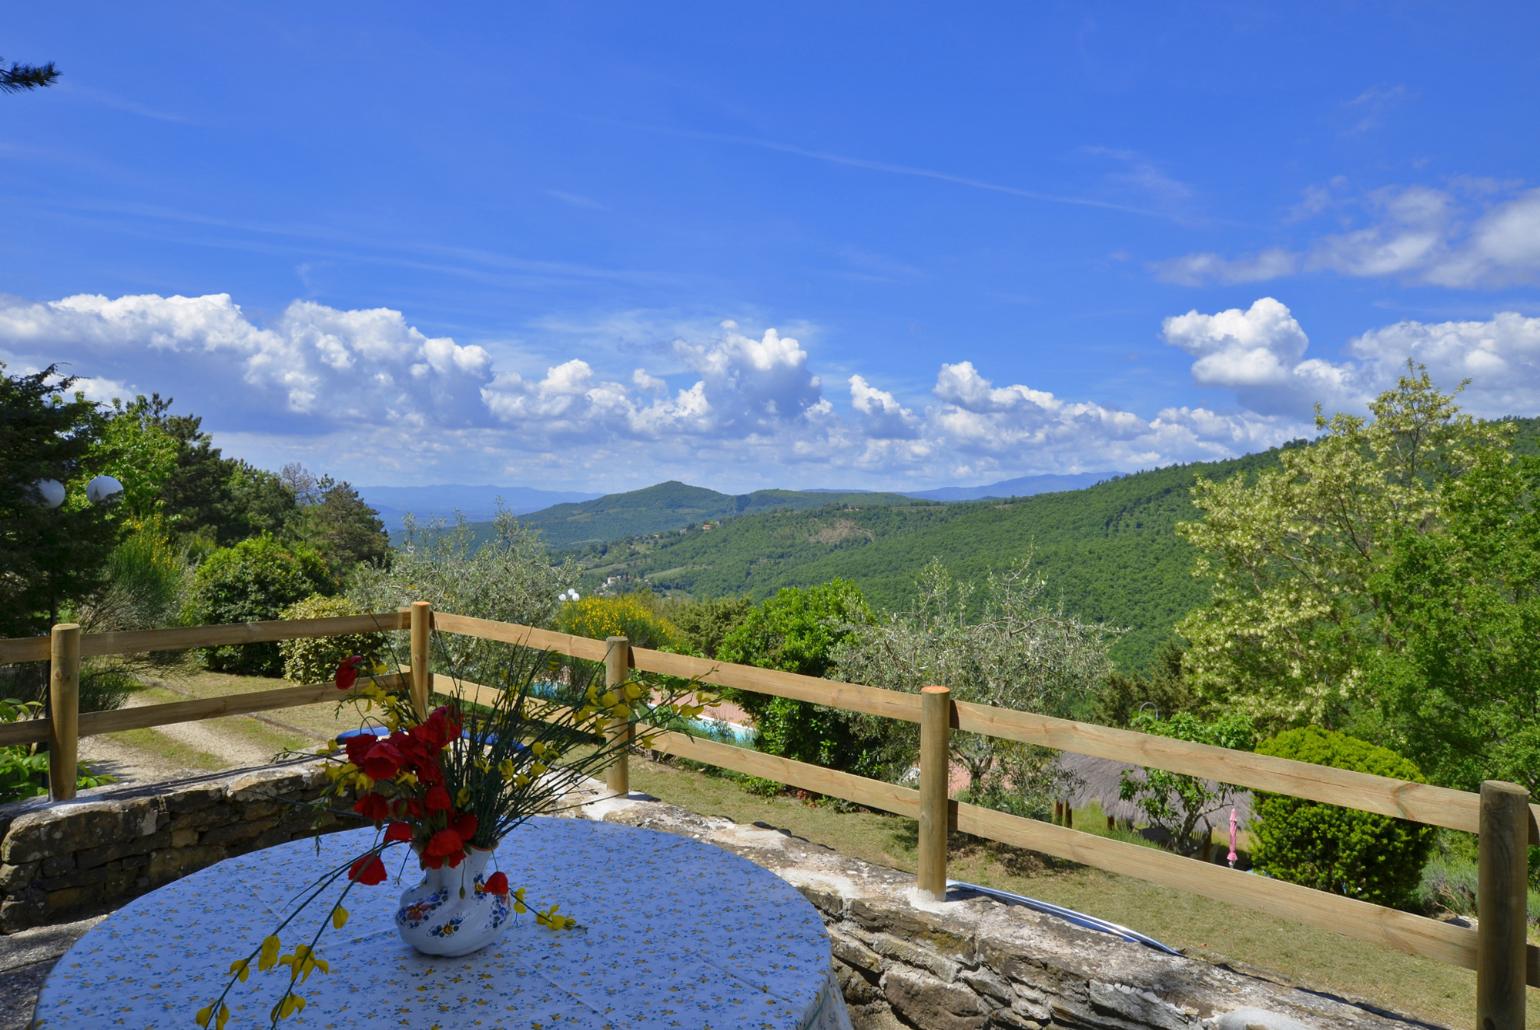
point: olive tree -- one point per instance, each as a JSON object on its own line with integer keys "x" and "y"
{"x": 509, "y": 577}
{"x": 1002, "y": 642}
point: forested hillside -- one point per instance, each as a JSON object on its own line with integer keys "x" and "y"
{"x": 673, "y": 506}
{"x": 1110, "y": 550}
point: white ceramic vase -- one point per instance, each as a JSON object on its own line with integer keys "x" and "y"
{"x": 450, "y": 912}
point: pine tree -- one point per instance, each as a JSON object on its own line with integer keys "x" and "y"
{"x": 19, "y": 78}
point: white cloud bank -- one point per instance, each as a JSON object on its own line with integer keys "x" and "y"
{"x": 369, "y": 396}
{"x": 1476, "y": 234}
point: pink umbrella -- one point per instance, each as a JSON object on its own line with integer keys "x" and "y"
{"x": 1232, "y": 856}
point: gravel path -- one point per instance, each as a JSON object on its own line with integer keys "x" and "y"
{"x": 232, "y": 742}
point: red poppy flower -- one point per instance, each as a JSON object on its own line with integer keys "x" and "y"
{"x": 382, "y": 762}
{"x": 447, "y": 845}
{"x": 398, "y": 832}
{"x": 358, "y": 747}
{"x": 368, "y": 870}
{"x": 347, "y": 672}
{"x": 372, "y": 807}
{"x": 437, "y": 799}
{"x": 497, "y": 883}
{"x": 465, "y": 825}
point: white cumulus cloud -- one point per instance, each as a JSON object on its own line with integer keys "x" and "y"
{"x": 882, "y": 416}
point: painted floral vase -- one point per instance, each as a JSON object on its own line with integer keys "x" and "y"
{"x": 451, "y": 912}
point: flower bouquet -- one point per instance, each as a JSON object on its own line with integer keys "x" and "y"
{"x": 451, "y": 783}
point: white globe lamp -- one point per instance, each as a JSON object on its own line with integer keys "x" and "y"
{"x": 49, "y": 492}
{"x": 104, "y": 490}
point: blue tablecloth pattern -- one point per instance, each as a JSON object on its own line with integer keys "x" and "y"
{"x": 673, "y": 933}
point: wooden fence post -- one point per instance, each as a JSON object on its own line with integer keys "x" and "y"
{"x": 63, "y": 710}
{"x": 422, "y": 622}
{"x": 617, "y": 669}
{"x": 1501, "y": 900}
{"x": 935, "y": 767}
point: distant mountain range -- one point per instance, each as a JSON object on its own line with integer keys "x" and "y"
{"x": 428, "y": 504}
{"x": 1023, "y": 486}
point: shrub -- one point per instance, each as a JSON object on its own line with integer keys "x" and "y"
{"x": 706, "y": 623}
{"x": 146, "y": 575}
{"x": 23, "y": 768}
{"x": 797, "y": 630}
{"x": 631, "y": 616}
{"x": 252, "y": 581}
{"x": 315, "y": 659}
{"x": 1371, "y": 857}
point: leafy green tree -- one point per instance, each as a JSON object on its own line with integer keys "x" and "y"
{"x": 1161, "y": 690}
{"x": 798, "y": 630}
{"x": 1001, "y": 643}
{"x": 258, "y": 502}
{"x": 135, "y": 448}
{"x": 1182, "y": 807}
{"x": 251, "y": 581}
{"x": 1458, "y": 678}
{"x": 48, "y": 557}
{"x": 1294, "y": 626}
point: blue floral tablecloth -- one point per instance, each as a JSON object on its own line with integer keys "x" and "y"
{"x": 674, "y": 933}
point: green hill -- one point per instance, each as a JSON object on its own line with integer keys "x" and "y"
{"x": 672, "y": 506}
{"x": 1110, "y": 550}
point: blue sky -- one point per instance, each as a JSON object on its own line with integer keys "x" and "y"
{"x": 596, "y": 246}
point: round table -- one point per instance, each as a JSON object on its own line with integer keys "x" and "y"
{"x": 673, "y": 933}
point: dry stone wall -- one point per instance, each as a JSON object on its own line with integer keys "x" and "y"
{"x": 58, "y": 861}
{"x": 968, "y": 963}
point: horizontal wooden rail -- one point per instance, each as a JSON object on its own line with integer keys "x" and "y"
{"x": 35, "y": 649}
{"x": 876, "y": 794}
{"x": 1416, "y": 935}
{"x": 1419, "y": 802}
{"x": 243, "y": 703}
{"x": 887, "y": 797}
{"x": 145, "y": 716}
{"x": 852, "y": 697}
{"x": 526, "y": 636}
{"x": 27, "y": 731}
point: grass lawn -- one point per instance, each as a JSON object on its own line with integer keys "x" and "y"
{"x": 1216, "y": 931}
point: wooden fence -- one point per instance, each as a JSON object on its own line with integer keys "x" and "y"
{"x": 1501, "y": 815}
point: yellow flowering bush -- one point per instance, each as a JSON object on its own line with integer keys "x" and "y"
{"x": 629, "y": 615}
